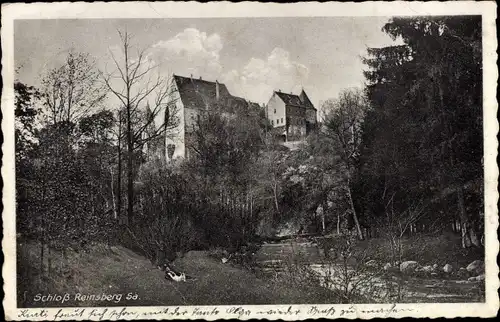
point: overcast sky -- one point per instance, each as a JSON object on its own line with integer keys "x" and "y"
{"x": 252, "y": 56}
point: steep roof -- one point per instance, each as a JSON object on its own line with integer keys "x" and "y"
{"x": 305, "y": 100}
{"x": 200, "y": 94}
{"x": 301, "y": 100}
{"x": 290, "y": 99}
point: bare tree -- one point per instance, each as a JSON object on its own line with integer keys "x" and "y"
{"x": 72, "y": 90}
{"x": 343, "y": 120}
{"x": 396, "y": 225}
{"x": 135, "y": 85}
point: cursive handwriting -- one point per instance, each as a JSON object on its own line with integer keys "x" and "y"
{"x": 125, "y": 313}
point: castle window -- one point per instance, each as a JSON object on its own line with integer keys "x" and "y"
{"x": 278, "y": 121}
{"x": 272, "y": 122}
{"x": 274, "y": 111}
{"x": 281, "y": 120}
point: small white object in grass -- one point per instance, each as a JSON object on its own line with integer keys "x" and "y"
{"x": 224, "y": 260}
{"x": 177, "y": 278}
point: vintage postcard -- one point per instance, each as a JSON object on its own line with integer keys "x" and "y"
{"x": 249, "y": 160}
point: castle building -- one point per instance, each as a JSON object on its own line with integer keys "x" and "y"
{"x": 191, "y": 97}
{"x": 292, "y": 116}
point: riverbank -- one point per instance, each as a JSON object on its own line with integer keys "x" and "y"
{"x": 384, "y": 285}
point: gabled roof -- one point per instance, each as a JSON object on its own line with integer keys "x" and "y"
{"x": 200, "y": 94}
{"x": 290, "y": 99}
{"x": 305, "y": 100}
{"x": 301, "y": 100}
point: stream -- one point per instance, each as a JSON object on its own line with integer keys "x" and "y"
{"x": 274, "y": 257}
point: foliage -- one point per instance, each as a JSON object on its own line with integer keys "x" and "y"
{"x": 165, "y": 215}
{"x": 63, "y": 189}
{"x": 343, "y": 126}
{"x": 423, "y": 136}
{"x": 26, "y": 98}
{"x": 57, "y": 194}
{"x": 72, "y": 90}
{"x": 226, "y": 148}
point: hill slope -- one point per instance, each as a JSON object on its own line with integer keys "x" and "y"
{"x": 117, "y": 270}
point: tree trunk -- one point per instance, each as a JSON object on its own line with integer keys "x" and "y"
{"x": 119, "y": 179}
{"x": 49, "y": 260}
{"x": 130, "y": 173}
{"x": 275, "y": 190}
{"x": 42, "y": 235}
{"x": 465, "y": 237}
{"x": 473, "y": 237}
{"x": 354, "y": 215}
{"x": 113, "y": 198}
{"x": 469, "y": 236}
{"x": 41, "y": 255}
{"x": 338, "y": 223}
{"x": 323, "y": 215}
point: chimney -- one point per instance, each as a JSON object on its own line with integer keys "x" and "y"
{"x": 191, "y": 76}
{"x": 217, "y": 90}
{"x": 200, "y": 78}
{"x": 279, "y": 90}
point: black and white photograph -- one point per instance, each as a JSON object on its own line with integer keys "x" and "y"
{"x": 276, "y": 165}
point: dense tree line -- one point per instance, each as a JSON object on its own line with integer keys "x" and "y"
{"x": 422, "y": 138}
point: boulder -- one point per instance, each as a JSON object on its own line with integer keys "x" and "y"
{"x": 472, "y": 279}
{"x": 476, "y": 266}
{"x": 480, "y": 278}
{"x": 387, "y": 266}
{"x": 427, "y": 269}
{"x": 408, "y": 266}
{"x": 435, "y": 267}
{"x": 447, "y": 268}
{"x": 434, "y": 274}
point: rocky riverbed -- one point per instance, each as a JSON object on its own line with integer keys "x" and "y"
{"x": 376, "y": 279}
